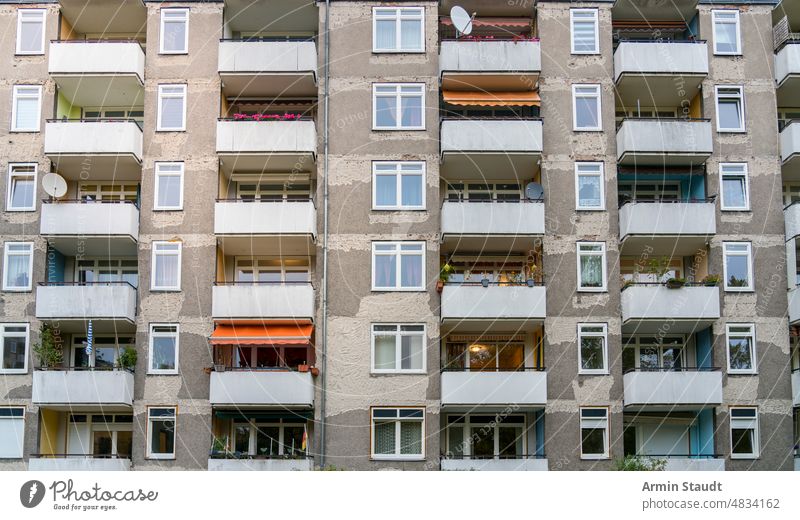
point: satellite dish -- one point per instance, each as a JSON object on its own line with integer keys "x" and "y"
{"x": 462, "y": 21}
{"x": 54, "y": 185}
{"x": 534, "y": 191}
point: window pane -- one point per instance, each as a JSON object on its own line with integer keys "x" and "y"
{"x": 267, "y": 440}
{"x": 166, "y": 270}
{"x": 591, "y": 271}
{"x": 293, "y": 440}
{"x": 583, "y": 33}
{"x": 22, "y": 192}
{"x": 586, "y": 112}
{"x": 124, "y": 443}
{"x": 169, "y": 191}
{"x": 411, "y": 271}
{"x": 31, "y": 36}
{"x": 174, "y": 35}
{"x": 733, "y": 192}
{"x": 17, "y": 275}
{"x": 743, "y": 441}
{"x": 384, "y": 352}
{"x": 412, "y": 190}
{"x": 410, "y": 438}
{"x": 385, "y": 111}
{"x": 510, "y": 441}
{"x": 593, "y": 441}
{"x": 589, "y": 191}
{"x": 729, "y": 114}
{"x": 385, "y": 190}
{"x": 162, "y": 437}
{"x": 385, "y": 34}
{"x": 242, "y": 438}
{"x": 592, "y": 354}
{"x": 172, "y": 112}
{"x": 411, "y": 348}
{"x": 385, "y": 271}
{"x": 726, "y": 37}
{"x": 104, "y": 356}
{"x": 14, "y": 353}
{"x": 27, "y": 112}
{"x": 482, "y": 441}
{"x": 740, "y": 353}
{"x": 384, "y": 438}
{"x": 163, "y": 353}
{"x": 412, "y": 111}
{"x": 410, "y": 34}
{"x": 737, "y": 270}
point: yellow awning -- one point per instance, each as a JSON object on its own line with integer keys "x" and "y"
{"x": 492, "y": 99}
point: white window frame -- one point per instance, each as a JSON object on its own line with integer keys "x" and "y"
{"x": 397, "y": 455}
{"x": 21, "y": 432}
{"x": 150, "y": 421}
{"x": 42, "y": 13}
{"x": 602, "y": 254}
{"x": 6, "y": 254}
{"x": 398, "y": 334}
{"x": 162, "y": 96}
{"x": 26, "y": 335}
{"x": 601, "y": 174}
{"x": 400, "y": 13}
{"x": 752, "y": 336}
{"x": 398, "y": 264}
{"x": 742, "y": 172}
{"x": 599, "y": 96}
{"x": 591, "y": 334}
{"x": 158, "y": 175}
{"x": 11, "y": 175}
{"x": 745, "y": 423}
{"x": 595, "y": 20}
{"x": 749, "y": 254}
{"x": 604, "y": 422}
{"x": 398, "y": 105}
{"x": 185, "y": 20}
{"x": 15, "y": 97}
{"x": 179, "y": 254}
{"x": 153, "y": 334}
{"x": 742, "y": 107}
{"x": 714, "y": 21}
{"x": 398, "y": 173}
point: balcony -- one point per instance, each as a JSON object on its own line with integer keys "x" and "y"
{"x": 490, "y": 66}
{"x": 100, "y": 226}
{"x": 77, "y": 463}
{"x": 256, "y": 464}
{"x": 81, "y": 387}
{"x": 235, "y": 388}
{"x": 474, "y": 464}
{"x": 267, "y": 146}
{"x": 791, "y": 217}
{"x": 524, "y": 388}
{"x": 231, "y": 301}
{"x": 659, "y": 142}
{"x": 790, "y": 151}
{"x": 687, "y": 387}
{"x": 73, "y": 304}
{"x": 796, "y": 387}
{"x": 90, "y": 72}
{"x": 652, "y": 69}
{"x": 695, "y": 464}
{"x": 794, "y": 305}
{"x": 268, "y": 69}
{"x": 483, "y": 149}
{"x": 256, "y": 228}
{"x": 646, "y": 306}
{"x": 671, "y": 228}
{"x": 496, "y": 226}
{"x": 81, "y": 147}
{"x": 787, "y": 72}
{"x": 500, "y": 304}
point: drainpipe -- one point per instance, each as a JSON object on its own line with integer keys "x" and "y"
{"x": 324, "y": 332}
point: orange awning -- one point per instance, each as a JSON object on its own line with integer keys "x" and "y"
{"x": 492, "y": 22}
{"x": 492, "y": 99}
{"x": 261, "y": 334}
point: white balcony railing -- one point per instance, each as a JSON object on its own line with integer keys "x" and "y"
{"x": 790, "y": 141}
{"x": 796, "y": 387}
{"x": 524, "y": 388}
{"x": 661, "y": 58}
{"x": 487, "y": 218}
{"x": 237, "y": 217}
{"x": 652, "y": 218}
{"x": 82, "y": 387}
{"x": 265, "y": 300}
{"x": 498, "y": 136}
{"x": 521, "y": 464}
{"x": 494, "y": 302}
{"x": 490, "y": 57}
{"x": 79, "y": 57}
{"x": 791, "y": 217}
{"x": 94, "y": 138}
{"x": 260, "y": 464}
{"x": 102, "y": 300}
{"x": 78, "y": 463}
{"x": 664, "y": 141}
{"x": 261, "y": 388}
{"x": 787, "y": 62}
{"x": 697, "y": 387}
{"x": 78, "y": 218}
{"x": 690, "y": 307}
{"x": 794, "y": 305}
{"x": 263, "y": 137}
{"x": 242, "y": 56}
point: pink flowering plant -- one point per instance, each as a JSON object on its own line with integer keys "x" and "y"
{"x": 267, "y": 117}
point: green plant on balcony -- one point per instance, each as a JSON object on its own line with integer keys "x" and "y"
{"x": 49, "y": 354}
{"x": 219, "y": 447}
{"x": 127, "y": 358}
{"x": 636, "y": 463}
{"x": 711, "y": 280}
{"x": 676, "y": 283}
{"x": 444, "y": 275}
{"x": 658, "y": 267}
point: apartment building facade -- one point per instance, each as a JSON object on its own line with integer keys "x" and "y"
{"x": 291, "y": 235}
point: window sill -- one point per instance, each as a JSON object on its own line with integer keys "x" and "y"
{"x": 12, "y": 290}
{"x": 378, "y": 458}
{"x": 14, "y": 372}
{"x": 21, "y": 210}
{"x": 34, "y": 131}
{"x": 399, "y": 51}
{"x": 742, "y": 373}
{"x": 593, "y": 373}
{"x": 731, "y": 131}
{"x": 164, "y": 458}
{"x": 25, "y": 54}
{"x": 395, "y": 289}
{"x": 595, "y": 457}
{"x": 173, "y": 53}
{"x": 410, "y": 129}
{"x": 736, "y": 210}
{"x": 163, "y": 210}
{"x": 161, "y": 290}
{"x": 166, "y": 130}
{"x": 163, "y": 373}
{"x": 398, "y": 210}
{"x": 734, "y": 290}
{"x": 592, "y": 130}
{"x": 398, "y": 373}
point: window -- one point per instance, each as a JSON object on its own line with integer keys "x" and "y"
{"x": 398, "y": 433}
{"x": 744, "y": 433}
{"x": 398, "y": 348}
{"x": 108, "y": 435}
{"x": 398, "y": 106}
{"x": 90, "y": 191}
{"x": 161, "y": 433}
{"x": 585, "y": 38}
{"x": 730, "y": 109}
{"x": 592, "y": 266}
{"x": 594, "y": 433}
{"x": 589, "y": 186}
{"x": 503, "y": 353}
{"x": 171, "y": 108}
{"x": 174, "y": 31}
{"x": 166, "y": 266}
{"x": 163, "y": 353}
{"x": 105, "y": 350}
{"x": 398, "y": 185}
{"x": 273, "y": 190}
{"x": 654, "y": 353}
{"x": 169, "y": 186}
{"x": 741, "y": 340}
{"x": 727, "y": 36}
{"x": 398, "y": 266}
{"x": 17, "y": 266}
{"x": 735, "y": 187}
{"x": 593, "y": 348}
{"x": 21, "y": 187}
{"x": 738, "y": 266}
{"x": 488, "y": 436}
{"x": 14, "y": 356}
{"x": 30, "y": 31}
{"x": 270, "y": 438}
{"x": 398, "y": 29}
{"x": 26, "y": 107}
{"x": 264, "y": 269}
{"x": 12, "y": 432}
{"x": 104, "y": 270}
{"x": 586, "y": 108}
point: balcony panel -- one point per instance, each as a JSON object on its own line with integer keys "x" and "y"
{"x": 673, "y": 228}
{"x": 480, "y": 308}
{"x": 796, "y": 387}
{"x": 91, "y": 228}
{"x": 73, "y": 388}
{"x": 791, "y": 217}
{"x": 787, "y": 73}
{"x": 267, "y": 146}
{"x": 267, "y": 301}
{"x": 695, "y": 388}
{"x": 790, "y": 151}
{"x": 461, "y": 219}
{"x": 672, "y": 142}
{"x": 78, "y": 463}
{"x": 689, "y": 309}
{"x": 268, "y": 69}
{"x": 694, "y": 464}
{"x": 494, "y": 465}
{"x": 489, "y": 66}
{"x": 92, "y": 150}
{"x": 260, "y": 464}
{"x": 262, "y": 228}
{"x": 465, "y": 389}
{"x": 107, "y": 303}
{"x": 794, "y": 306}
{"x": 270, "y": 388}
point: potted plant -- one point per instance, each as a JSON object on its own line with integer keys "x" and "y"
{"x": 219, "y": 367}
{"x": 219, "y": 446}
{"x": 49, "y": 354}
{"x": 627, "y": 283}
{"x": 534, "y": 272}
{"x": 314, "y": 371}
{"x": 303, "y": 367}
{"x": 658, "y": 267}
{"x": 711, "y": 280}
{"x": 444, "y": 276}
{"x": 485, "y": 280}
{"x": 127, "y": 359}
{"x": 675, "y": 283}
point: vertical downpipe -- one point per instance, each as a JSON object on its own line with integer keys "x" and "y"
{"x": 324, "y": 332}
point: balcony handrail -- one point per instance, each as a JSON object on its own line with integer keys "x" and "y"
{"x": 101, "y": 40}
{"x": 90, "y": 201}
{"x": 268, "y": 120}
{"x": 514, "y": 39}
{"x": 259, "y": 201}
{"x": 67, "y": 368}
{"x": 488, "y": 118}
{"x": 76, "y": 284}
{"x": 710, "y": 199}
{"x": 492, "y": 369}
{"x": 278, "y": 39}
{"x": 536, "y": 283}
{"x": 255, "y": 369}
{"x": 791, "y": 204}
{"x": 238, "y": 455}
{"x": 796, "y": 370}
{"x": 664, "y": 119}
{"x": 671, "y": 369}
{"x": 259, "y": 282}
{"x": 139, "y": 124}
{"x": 493, "y": 200}
{"x": 664, "y": 284}
{"x": 659, "y": 40}
{"x": 682, "y": 456}
{"x": 77, "y": 455}
{"x": 521, "y": 456}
